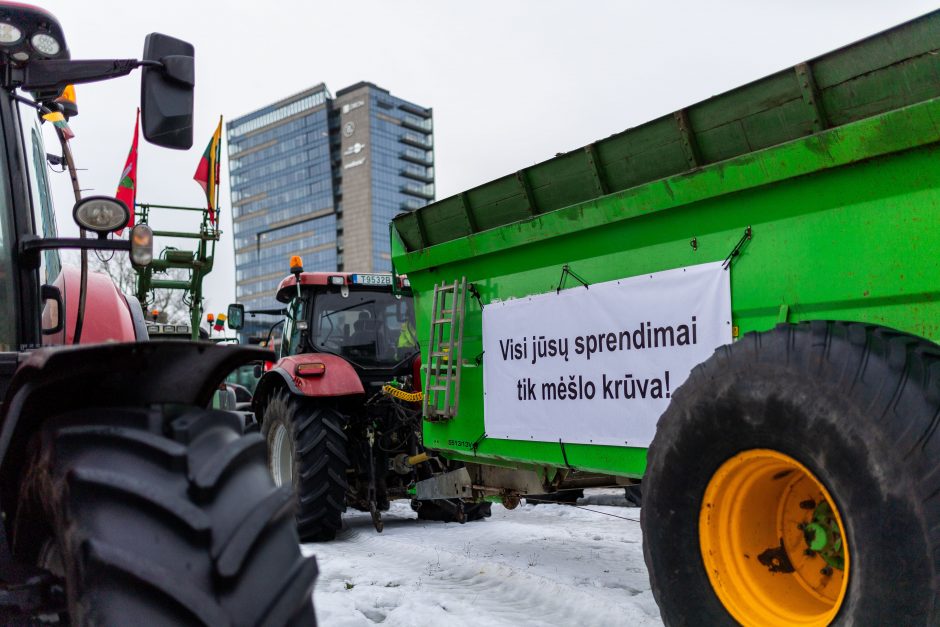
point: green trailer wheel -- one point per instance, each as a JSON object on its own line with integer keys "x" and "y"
{"x": 794, "y": 481}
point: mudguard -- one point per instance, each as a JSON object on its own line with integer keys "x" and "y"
{"x": 51, "y": 381}
{"x": 338, "y": 379}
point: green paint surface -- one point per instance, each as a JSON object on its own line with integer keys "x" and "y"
{"x": 845, "y": 221}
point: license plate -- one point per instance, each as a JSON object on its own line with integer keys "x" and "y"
{"x": 372, "y": 279}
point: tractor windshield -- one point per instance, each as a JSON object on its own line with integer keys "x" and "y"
{"x": 371, "y": 328}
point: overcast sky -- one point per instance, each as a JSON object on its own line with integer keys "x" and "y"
{"x": 511, "y": 83}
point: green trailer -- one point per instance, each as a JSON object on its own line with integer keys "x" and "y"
{"x": 789, "y": 232}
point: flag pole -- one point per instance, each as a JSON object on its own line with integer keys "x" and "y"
{"x": 218, "y": 185}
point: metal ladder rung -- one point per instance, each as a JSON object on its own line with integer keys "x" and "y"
{"x": 444, "y": 350}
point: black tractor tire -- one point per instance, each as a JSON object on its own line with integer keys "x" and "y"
{"x": 162, "y": 521}
{"x": 449, "y": 510}
{"x": 633, "y": 495}
{"x": 317, "y": 445}
{"x": 561, "y": 497}
{"x": 857, "y": 406}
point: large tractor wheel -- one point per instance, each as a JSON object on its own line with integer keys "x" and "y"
{"x": 307, "y": 451}
{"x": 795, "y": 480}
{"x": 156, "y": 524}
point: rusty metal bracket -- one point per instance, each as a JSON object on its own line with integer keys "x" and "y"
{"x": 737, "y": 248}
{"x": 465, "y": 205}
{"x": 810, "y": 93}
{"x": 476, "y": 294}
{"x": 422, "y": 232}
{"x": 476, "y": 443}
{"x": 527, "y": 190}
{"x": 565, "y": 272}
{"x": 600, "y": 183}
{"x": 564, "y": 454}
{"x": 689, "y": 145}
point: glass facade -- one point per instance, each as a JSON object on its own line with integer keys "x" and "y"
{"x": 394, "y": 131}
{"x": 295, "y": 167}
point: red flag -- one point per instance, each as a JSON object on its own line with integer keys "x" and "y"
{"x": 207, "y": 172}
{"x": 127, "y": 187}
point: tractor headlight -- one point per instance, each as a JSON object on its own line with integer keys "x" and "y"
{"x": 101, "y": 214}
{"x": 46, "y": 44}
{"x": 9, "y": 34}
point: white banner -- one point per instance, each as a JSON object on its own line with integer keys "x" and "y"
{"x": 599, "y": 365}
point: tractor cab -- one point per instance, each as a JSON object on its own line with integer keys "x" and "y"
{"x": 367, "y": 319}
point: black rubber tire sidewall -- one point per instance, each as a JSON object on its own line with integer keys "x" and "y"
{"x": 320, "y": 451}
{"x": 278, "y": 413}
{"x": 763, "y": 393}
{"x": 194, "y": 529}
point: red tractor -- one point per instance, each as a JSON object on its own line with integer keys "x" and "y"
{"x": 341, "y": 409}
{"x": 123, "y": 499}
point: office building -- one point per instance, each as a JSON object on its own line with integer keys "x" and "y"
{"x": 321, "y": 176}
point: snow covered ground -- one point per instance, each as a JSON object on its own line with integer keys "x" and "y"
{"x": 535, "y": 565}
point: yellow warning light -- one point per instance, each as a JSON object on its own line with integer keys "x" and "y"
{"x": 68, "y": 94}
{"x": 296, "y": 265}
{"x": 210, "y": 318}
{"x": 68, "y": 102}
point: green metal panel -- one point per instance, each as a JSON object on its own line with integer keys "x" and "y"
{"x": 845, "y": 222}
{"x": 885, "y": 72}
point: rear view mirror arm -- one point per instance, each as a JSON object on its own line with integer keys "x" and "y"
{"x": 30, "y": 247}
{"x": 55, "y": 74}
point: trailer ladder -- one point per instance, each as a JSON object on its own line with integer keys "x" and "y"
{"x": 442, "y": 372}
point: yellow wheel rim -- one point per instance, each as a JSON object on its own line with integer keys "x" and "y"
{"x": 762, "y": 516}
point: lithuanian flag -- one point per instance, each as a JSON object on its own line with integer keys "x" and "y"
{"x": 58, "y": 120}
{"x": 207, "y": 172}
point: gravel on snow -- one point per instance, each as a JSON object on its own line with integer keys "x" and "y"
{"x": 535, "y": 565}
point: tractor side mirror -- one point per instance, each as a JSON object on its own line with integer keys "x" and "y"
{"x": 53, "y": 310}
{"x": 236, "y": 316}
{"x": 166, "y": 91}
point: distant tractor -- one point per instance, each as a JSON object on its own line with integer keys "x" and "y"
{"x": 341, "y": 408}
